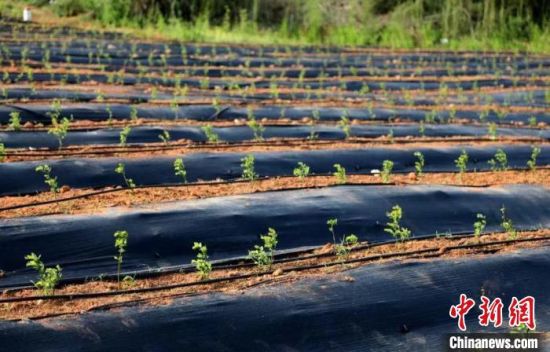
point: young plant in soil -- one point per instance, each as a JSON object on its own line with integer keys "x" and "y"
{"x": 211, "y": 136}
{"x": 15, "y": 121}
{"x": 179, "y": 169}
{"x": 301, "y": 171}
{"x": 2, "y": 152}
{"x": 346, "y": 244}
{"x": 462, "y": 163}
{"x": 532, "y": 162}
{"x": 247, "y": 164}
{"x": 164, "y": 137}
{"x": 262, "y": 255}
{"x": 345, "y": 124}
{"x": 49, "y": 180}
{"x": 479, "y": 225}
{"x": 133, "y": 114}
{"x": 508, "y": 225}
{"x": 315, "y": 117}
{"x": 387, "y": 167}
{"x": 492, "y": 131}
{"x": 121, "y": 169}
{"x": 201, "y": 262}
{"x": 419, "y": 164}
{"x": 121, "y": 242}
{"x": 257, "y": 128}
{"x": 59, "y": 129}
{"x": 123, "y": 136}
{"x": 499, "y": 162}
{"x": 48, "y": 277}
{"x": 340, "y": 174}
{"x": 393, "y": 227}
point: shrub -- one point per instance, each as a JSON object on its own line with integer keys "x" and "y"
{"x": 301, "y": 171}
{"x": 419, "y": 164}
{"x": 211, "y": 136}
{"x": 247, "y": 164}
{"x": 123, "y": 136}
{"x": 340, "y": 174}
{"x": 179, "y": 169}
{"x": 393, "y": 227}
{"x": 532, "y": 162}
{"x": 479, "y": 225}
{"x": 201, "y": 262}
{"x": 387, "y": 167}
{"x": 121, "y": 169}
{"x": 48, "y": 277}
{"x": 121, "y": 242}
{"x": 499, "y": 162}
{"x": 15, "y": 121}
{"x": 46, "y": 170}
{"x": 262, "y": 255}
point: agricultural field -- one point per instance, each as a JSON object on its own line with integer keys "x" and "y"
{"x": 159, "y": 195}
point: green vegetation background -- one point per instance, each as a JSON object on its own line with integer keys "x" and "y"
{"x": 453, "y": 24}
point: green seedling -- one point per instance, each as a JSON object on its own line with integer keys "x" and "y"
{"x": 257, "y": 128}
{"x": 15, "y": 121}
{"x": 164, "y": 137}
{"x": 462, "y": 163}
{"x": 340, "y": 174}
{"x": 301, "y": 171}
{"x": 387, "y": 167}
{"x": 201, "y": 262}
{"x": 128, "y": 282}
{"x": 532, "y": 121}
{"x": 479, "y": 225}
{"x": 344, "y": 247}
{"x": 211, "y": 136}
{"x": 532, "y": 162}
{"x": 48, "y": 277}
{"x": 344, "y": 124}
{"x": 2, "y": 152}
{"x": 179, "y": 170}
{"x": 121, "y": 169}
{"x": 499, "y": 162}
{"x": 315, "y": 117}
{"x": 133, "y": 114}
{"x": 123, "y": 136}
{"x": 419, "y": 164}
{"x": 247, "y": 164}
{"x": 393, "y": 227}
{"x": 507, "y": 225}
{"x": 492, "y": 131}
{"x": 331, "y": 223}
{"x": 262, "y": 255}
{"x": 49, "y": 180}
{"x": 121, "y": 242}
{"x": 59, "y": 129}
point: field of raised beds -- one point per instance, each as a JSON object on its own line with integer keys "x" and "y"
{"x": 165, "y": 196}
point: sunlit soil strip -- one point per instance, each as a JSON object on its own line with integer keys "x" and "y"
{"x": 150, "y": 196}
